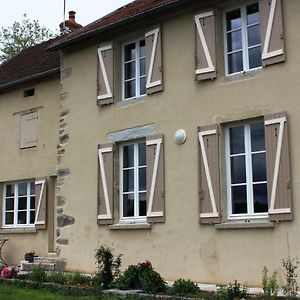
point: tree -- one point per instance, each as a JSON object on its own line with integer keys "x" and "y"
{"x": 21, "y": 35}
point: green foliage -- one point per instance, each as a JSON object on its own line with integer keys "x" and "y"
{"x": 21, "y": 35}
{"x": 270, "y": 284}
{"x": 78, "y": 279}
{"x": 232, "y": 291}
{"x": 37, "y": 275}
{"x": 108, "y": 266}
{"x": 183, "y": 287}
{"x": 141, "y": 276}
{"x": 291, "y": 287}
{"x": 56, "y": 277}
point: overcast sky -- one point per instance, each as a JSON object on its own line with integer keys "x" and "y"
{"x": 50, "y": 12}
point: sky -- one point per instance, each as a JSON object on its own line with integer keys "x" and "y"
{"x": 50, "y": 12}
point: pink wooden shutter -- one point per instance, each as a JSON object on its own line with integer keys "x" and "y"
{"x": 41, "y": 203}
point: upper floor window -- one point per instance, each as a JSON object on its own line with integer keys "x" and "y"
{"x": 246, "y": 170}
{"x": 19, "y": 204}
{"x": 242, "y": 39}
{"x": 134, "y": 69}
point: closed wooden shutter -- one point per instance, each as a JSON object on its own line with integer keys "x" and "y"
{"x": 40, "y": 203}
{"x": 278, "y": 167}
{"x": 205, "y": 44}
{"x": 105, "y": 74}
{"x": 209, "y": 174}
{"x": 272, "y": 35}
{"x": 155, "y": 179}
{"x": 105, "y": 184}
{"x": 29, "y": 129}
{"x": 154, "y": 69}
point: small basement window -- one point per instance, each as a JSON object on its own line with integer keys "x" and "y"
{"x": 28, "y": 93}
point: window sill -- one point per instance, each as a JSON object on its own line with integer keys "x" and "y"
{"x": 242, "y": 76}
{"x": 17, "y": 230}
{"x": 245, "y": 225}
{"x": 131, "y": 101}
{"x": 130, "y": 226}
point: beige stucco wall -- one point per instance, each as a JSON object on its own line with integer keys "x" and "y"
{"x": 180, "y": 247}
{"x": 40, "y": 161}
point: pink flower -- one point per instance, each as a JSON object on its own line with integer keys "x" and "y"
{"x": 6, "y": 273}
{"x": 148, "y": 262}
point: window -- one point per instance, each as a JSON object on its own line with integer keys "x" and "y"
{"x": 19, "y": 204}
{"x": 242, "y": 39}
{"x": 246, "y": 170}
{"x": 134, "y": 70}
{"x": 133, "y": 193}
{"x": 29, "y": 130}
{"x": 28, "y": 93}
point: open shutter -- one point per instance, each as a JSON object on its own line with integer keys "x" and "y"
{"x": 105, "y": 185}
{"x": 40, "y": 203}
{"x": 155, "y": 179}
{"x": 154, "y": 70}
{"x": 278, "y": 167}
{"x": 105, "y": 74}
{"x": 272, "y": 35}
{"x": 205, "y": 43}
{"x": 1, "y": 205}
{"x": 209, "y": 174}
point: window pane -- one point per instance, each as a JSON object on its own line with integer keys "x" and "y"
{"x": 22, "y": 189}
{"x": 142, "y": 204}
{"x": 32, "y": 202}
{"x": 130, "y": 89}
{"x": 22, "y": 217}
{"x": 237, "y": 144}
{"x": 259, "y": 167}
{"x": 254, "y": 58}
{"x": 128, "y": 205}
{"x": 252, "y": 14}
{"x": 238, "y": 169}
{"x": 10, "y": 190}
{"x": 9, "y": 218}
{"x": 9, "y": 205}
{"x": 32, "y": 217}
{"x": 235, "y": 62}
{"x": 130, "y": 52}
{"x": 128, "y": 159}
{"x": 143, "y": 86}
{"x": 142, "y": 67}
{"x": 234, "y": 41}
{"x": 239, "y": 199}
{"x": 128, "y": 181}
{"x": 142, "y": 154}
{"x": 142, "y": 179}
{"x": 22, "y": 203}
{"x": 129, "y": 70}
{"x": 257, "y": 137}
{"x": 32, "y": 188}
{"x": 233, "y": 19}
{"x": 142, "y": 48}
{"x": 253, "y": 35}
{"x": 260, "y": 197}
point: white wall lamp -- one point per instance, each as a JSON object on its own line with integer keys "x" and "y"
{"x": 180, "y": 136}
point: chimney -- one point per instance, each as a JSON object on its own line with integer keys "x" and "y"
{"x": 69, "y": 25}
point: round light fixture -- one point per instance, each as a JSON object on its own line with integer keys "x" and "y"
{"x": 180, "y": 136}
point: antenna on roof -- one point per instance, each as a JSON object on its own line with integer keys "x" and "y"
{"x": 64, "y": 17}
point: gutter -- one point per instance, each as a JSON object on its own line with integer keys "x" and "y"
{"x": 29, "y": 78}
{"x": 117, "y": 24}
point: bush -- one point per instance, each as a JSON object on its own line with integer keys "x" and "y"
{"x": 38, "y": 275}
{"x": 291, "y": 287}
{"x": 141, "y": 276}
{"x": 232, "y": 291}
{"x": 78, "y": 279}
{"x": 183, "y": 287}
{"x": 108, "y": 266}
{"x": 270, "y": 285}
{"x": 56, "y": 277}
{"x": 9, "y": 272}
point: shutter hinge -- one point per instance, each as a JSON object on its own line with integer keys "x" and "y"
{"x": 288, "y": 183}
{"x": 201, "y": 195}
{"x": 163, "y": 194}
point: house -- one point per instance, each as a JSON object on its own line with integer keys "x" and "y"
{"x": 177, "y": 140}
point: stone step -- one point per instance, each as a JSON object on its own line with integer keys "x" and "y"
{"x": 27, "y": 266}
{"x": 45, "y": 262}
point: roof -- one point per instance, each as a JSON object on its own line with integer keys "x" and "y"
{"x": 127, "y": 13}
{"x": 34, "y": 63}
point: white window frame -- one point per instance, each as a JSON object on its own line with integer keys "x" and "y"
{"x": 249, "y": 181}
{"x": 137, "y": 69}
{"x": 16, "y": 210}
{"x": 245, "y": 47}
{"x": 136, "y": 218}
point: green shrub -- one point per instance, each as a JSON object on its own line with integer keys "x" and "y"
{"x": 38, "y": 275}
{"x": 270, "y": 285}
{"x": 291, "y": 287}
{"x": 232, "y": 291}
{"x": 56, "y": 277}
{"x": 183, "y": 287}
{"x": 78, "y": 279}
{"x": 108, "y": 266}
